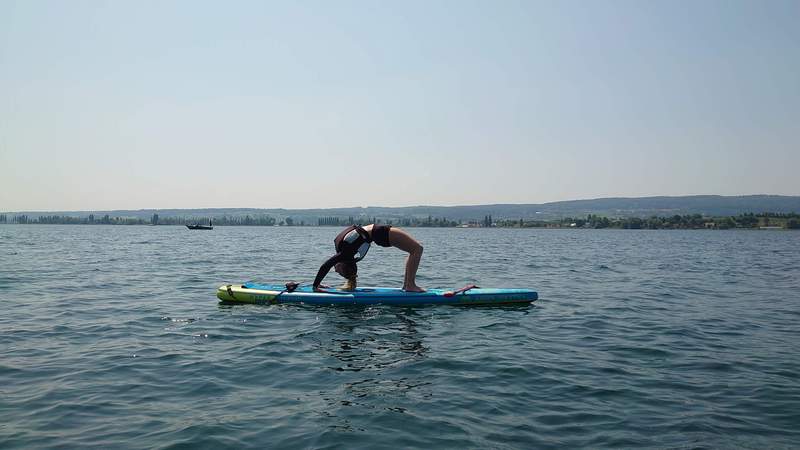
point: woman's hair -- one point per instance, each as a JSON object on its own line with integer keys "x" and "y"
{"x": 350, "y": 284}
{"x": 348, "y": 270}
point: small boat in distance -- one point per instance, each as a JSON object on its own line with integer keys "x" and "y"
{"x": 197, "y": 226}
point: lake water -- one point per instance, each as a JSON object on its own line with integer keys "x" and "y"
{"x": 112, "y": 337}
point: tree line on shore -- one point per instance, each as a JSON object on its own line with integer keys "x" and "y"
{"x": 674, "y": 222}
{"x": 690, "y": 221}
{"x": 154, "y": 220}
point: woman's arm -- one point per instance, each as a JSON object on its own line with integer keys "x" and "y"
{"x": 325, "y": 268}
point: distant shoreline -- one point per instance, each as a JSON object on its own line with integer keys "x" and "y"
{"x": 763, "y": 221}
{"x": 683, "y": 212}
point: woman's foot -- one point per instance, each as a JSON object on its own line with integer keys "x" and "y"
{"x": 413, "y": 288}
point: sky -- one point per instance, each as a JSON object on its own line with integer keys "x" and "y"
{"x": 306, "y": 104}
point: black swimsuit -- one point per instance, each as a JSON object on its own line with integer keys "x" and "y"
{"x": 380, "y": 234}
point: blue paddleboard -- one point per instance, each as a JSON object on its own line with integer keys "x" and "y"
{"x": 277, "y": 294}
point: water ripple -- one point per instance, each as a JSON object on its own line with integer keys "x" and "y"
{"x": 641, "y": 339}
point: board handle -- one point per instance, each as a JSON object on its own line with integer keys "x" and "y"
{"x": 460, "y": 291}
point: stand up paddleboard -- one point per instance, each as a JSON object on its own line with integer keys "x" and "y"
{"x": 279, "y": 294}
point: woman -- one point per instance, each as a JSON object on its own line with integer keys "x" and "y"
{"x": 352, "y": 245}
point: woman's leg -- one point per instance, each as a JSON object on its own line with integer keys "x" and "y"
{"x": 402, "y": 240}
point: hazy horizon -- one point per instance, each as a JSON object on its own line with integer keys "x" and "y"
{"x": 300, "y": 105}
{"x": 385, "y": 206}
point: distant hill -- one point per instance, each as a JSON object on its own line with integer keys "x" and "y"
{"x": 707, "y": 205}
{"x": 710, "y": 205}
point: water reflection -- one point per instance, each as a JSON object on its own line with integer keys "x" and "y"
{"x": 374, "y": 351}
{"x": 371, "y": 338}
